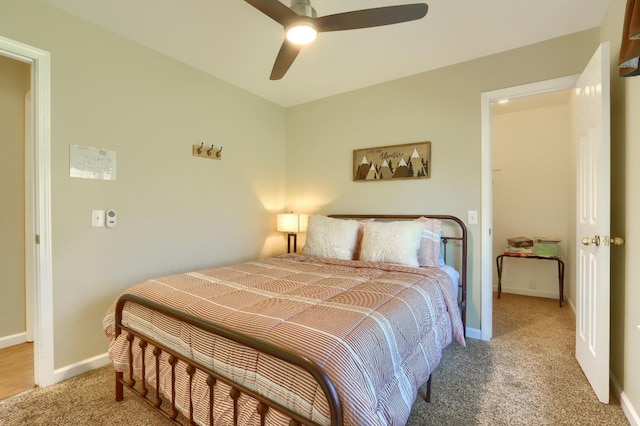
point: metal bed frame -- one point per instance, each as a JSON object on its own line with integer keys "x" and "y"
{"x": 167, "y": 407}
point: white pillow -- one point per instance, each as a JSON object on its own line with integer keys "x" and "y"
{"x": 332, "y": 238}
{"x": 391, "y": 242}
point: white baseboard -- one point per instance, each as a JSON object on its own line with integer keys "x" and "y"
{"x": 529, "y": 292}
{"x": 72, "y": 370}
{"x": 474, "y": 333}
{"x": 628, "y": 409}
{"x": 14, "y": 339}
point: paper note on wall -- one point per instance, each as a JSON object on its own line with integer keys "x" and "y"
{"x": 92, "y": 163}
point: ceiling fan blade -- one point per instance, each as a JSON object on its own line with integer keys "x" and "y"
{"x": 367, "y": 18}
{"x": 287, "y": 54}
{"x": 275, "y": 10}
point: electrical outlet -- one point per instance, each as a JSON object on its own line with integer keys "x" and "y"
{"x": 533, "y": 284}
{"x": 97, "y": 218}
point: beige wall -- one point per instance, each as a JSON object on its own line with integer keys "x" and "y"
{"x": 175, "y": 212}
{"x": 442, "y": 106}
{"x": 178, "y": 213}
{"x": 532, "y": 190}
{"x": 14, "y": 84}
{"x": 625, "y": 210}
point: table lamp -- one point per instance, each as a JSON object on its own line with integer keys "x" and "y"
{"x": 292, "y": 224}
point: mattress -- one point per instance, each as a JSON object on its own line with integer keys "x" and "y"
{"x": 454, "y": 275}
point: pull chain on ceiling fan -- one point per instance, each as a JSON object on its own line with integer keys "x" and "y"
{"x": 301, "y": 24}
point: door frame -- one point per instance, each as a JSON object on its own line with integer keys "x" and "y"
{"x": 486, "y": 211}
{"x": 38, "y": 221}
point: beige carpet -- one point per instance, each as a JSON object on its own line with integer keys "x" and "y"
{"x": 526, "y": 375}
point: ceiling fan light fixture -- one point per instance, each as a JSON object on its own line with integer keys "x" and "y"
{"x": 301, "y": 24}
{"x": 301, "y": 33}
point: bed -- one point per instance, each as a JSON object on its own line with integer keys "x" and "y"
{"x": 344, "y": 333}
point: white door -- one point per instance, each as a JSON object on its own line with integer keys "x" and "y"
{"x": 593, "y": 221}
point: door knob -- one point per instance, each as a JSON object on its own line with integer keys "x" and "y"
{"x": 616, "y": 241}
{"x": 588, "y": 241}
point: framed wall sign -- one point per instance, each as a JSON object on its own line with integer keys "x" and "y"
{"x": 407, "y": 161}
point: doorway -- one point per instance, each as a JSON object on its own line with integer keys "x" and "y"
{"x": 533, "y": 182}
{"x": 487, "y": 267}
{"x": 38, "y": 246}
{"x": 593, "y": 169}
{"x": 14, "y": 310}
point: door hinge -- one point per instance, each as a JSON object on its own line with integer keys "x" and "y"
{"x": 37, "y": 239}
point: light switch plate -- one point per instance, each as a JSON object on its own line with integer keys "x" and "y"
{"x": 97, "y": 218}
{"x": 472, "y": 217}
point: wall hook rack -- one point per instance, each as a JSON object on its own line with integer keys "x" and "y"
{"x": 203, "y": 151}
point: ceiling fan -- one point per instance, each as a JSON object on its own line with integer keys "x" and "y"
{"x": 301, "y": 24}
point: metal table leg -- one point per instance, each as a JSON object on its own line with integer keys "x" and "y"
{"x": 499, "y": 260}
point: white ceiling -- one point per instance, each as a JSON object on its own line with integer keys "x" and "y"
{"x": 235, "y": 42}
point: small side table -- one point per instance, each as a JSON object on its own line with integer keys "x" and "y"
{"x": 501, "y": 257}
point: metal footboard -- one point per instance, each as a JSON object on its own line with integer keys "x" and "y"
{"x": 171, "y": 412}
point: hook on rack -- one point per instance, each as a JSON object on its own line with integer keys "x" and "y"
{"x": 212, "y": 153}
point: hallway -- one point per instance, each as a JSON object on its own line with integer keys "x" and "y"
{"x": 16, "y": 369}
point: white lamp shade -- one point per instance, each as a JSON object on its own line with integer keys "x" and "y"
{"x": 292, "y": 222}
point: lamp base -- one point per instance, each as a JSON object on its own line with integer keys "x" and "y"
{"x": 295, "y": 242}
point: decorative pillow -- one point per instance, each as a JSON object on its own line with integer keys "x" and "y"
{"x": 356, "y": 253}
{"x": 429, "y": 251}
{"x": 391, "y": 242}
{"x": 332, "y": 238}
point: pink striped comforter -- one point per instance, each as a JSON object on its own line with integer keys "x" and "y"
{"x": 378, "y": 330}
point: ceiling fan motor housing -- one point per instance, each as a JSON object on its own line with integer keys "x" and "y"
{"x": 303, "y": 8}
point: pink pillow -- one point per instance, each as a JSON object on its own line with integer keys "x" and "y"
{"x": 429, "y": 250}
{"x": 356, "y": 252}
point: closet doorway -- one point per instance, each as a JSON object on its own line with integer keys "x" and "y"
{"x": 591, "y": 285}
{"x": 488, "y": 260}
{"x": 533, "y": 176}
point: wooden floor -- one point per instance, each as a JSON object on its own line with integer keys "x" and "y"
{"x": 16, "y": 369}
